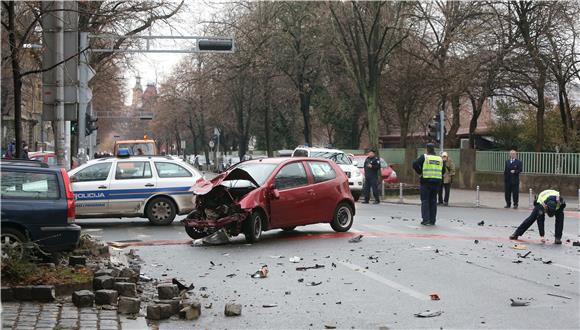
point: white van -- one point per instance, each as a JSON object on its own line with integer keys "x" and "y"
{"x": 355, "y": 178}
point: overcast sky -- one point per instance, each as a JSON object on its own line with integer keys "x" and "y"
{"x": 154, "y": 67}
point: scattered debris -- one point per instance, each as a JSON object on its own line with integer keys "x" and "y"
{"x": 309, "y": 267}
{"x": 269, "y": 305}
{"x": 577, "y": 243}
{"x": 559, "y": 296}
{"x": 356, "y": 239}
{"x": 520, "y": 247}
{"x": 208, "y": 306}
{"x": 230, "y": 275}
{"x": 517, "y": 261}
{"x": 300, "y": 280}
{"x": 429, "y": 313}
{"x": 476, "y": 241}
{"x": 144, "y": 278}
{"x": 233, "y": 310}
{"x": 547, "y": 262}
{"x": 217, "y": 238}
{"x": 434, "y": 296}
{"x": 313, "y": 283}
{"x": 481, "y": 223}
{"x": 261, "y": 273}
{"x": 277, "y": 257}
{"x": 295, "y": 259}
{"x": 436, "y": 250}
{"x": 374, "y": 259}
{"x": 181, "y": 286}
{"x": 333, "y": 265}
{"x": 519, "y": 302}
{"x": 524, "y": 255}
{"x": 328, "y": 326}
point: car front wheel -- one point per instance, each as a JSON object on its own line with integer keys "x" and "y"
{"x": 343, "y": 217}
{"x": 161, "y": 211}
{"x": 12, "y": 242}
{"x": 196, "y": 233}
{"x": 253, "y": 227}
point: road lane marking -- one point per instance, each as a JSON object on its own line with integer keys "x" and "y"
{"x": 392, "y": 284}
{"x": 566, "y": 267}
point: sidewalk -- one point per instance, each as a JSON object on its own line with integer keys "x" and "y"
{"x": 487, "y": 199}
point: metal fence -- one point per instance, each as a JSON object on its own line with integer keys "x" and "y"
{"x": 533, "y": 162}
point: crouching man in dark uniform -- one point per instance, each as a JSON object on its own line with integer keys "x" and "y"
{"x": 430, "y": 167}
{"x": 549, "y": 202}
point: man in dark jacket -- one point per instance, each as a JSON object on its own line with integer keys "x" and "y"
{"x": 430, "y": 168}
{"x": 372, "y": 167}
{"x": 511, "y": 177}
{"x": 548, "y": 202}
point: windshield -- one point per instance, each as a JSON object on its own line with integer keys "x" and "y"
{"x": 360, "y": 161}
{"x": 147, "y": 149}
{"x": 338, "y": 157}
{"x": 258, "y": 171}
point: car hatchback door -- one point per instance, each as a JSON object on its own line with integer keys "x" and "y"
{"x": 131, "y": 185}
{"x": 293, "y": 207}
{"x": 90, "y": 186}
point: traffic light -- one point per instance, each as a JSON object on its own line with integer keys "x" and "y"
{"x": 435, "y": 127}
{"x": 219, "y": 45}
{"x": 90, "y": 124}
{"x": 74, "y": 127}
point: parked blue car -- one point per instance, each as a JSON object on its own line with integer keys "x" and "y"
{"x": 38, "y": 206}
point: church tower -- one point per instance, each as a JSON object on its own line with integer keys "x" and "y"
{"x": 136, "y": 102}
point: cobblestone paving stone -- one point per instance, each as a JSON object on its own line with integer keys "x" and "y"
{"x": 37, "y": 316}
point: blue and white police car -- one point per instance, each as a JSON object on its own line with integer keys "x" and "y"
{"x": 155, "y": 187}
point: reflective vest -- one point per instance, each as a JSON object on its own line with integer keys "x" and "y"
{"x": 432, "y": 167}
{"x": 544, "y": 195}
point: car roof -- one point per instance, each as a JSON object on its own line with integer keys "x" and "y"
{"x": 27, "y": 165}
{"x": 280, "y": 160}
{"x": 319, "y": 149}
{"x": 134, "y": 141}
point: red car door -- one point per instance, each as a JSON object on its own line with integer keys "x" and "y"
{"x": 295, "y": 203}
{"x": 326, "y": 190}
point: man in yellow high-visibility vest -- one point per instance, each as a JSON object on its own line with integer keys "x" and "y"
{"x": 551, "y": 203}
{"x": 430, "y": 168}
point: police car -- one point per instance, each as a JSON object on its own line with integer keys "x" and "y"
{"x": 155, "y": 187}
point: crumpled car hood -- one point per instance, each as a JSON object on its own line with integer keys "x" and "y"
{"x": 203, "y": 187}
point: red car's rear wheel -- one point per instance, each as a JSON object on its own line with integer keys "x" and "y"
{"x": 343, "y": 217}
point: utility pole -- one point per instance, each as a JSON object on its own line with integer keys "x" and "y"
{"x": 60, "y": 138}
{"x": 442, "y": 125}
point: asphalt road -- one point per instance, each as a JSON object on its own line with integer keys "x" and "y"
{"x": 381, "y": 281}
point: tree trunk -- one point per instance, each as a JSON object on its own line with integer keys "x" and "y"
{"x": 476, "y": 106}
{"x": 562, "y": 108}
{"x": 267, "y": 135}
{"x": 456, "y": 108}
{"x": 540, "y": 119}
{"x": 373, "y": 117}
{"x": 16, "y": 79}
{"x": 305, "y": 109}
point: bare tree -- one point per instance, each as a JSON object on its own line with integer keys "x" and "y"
{"x": 368, "y": 33}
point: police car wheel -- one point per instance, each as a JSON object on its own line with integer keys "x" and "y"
{"x": 343, "y": 216}
{"x": 253, "y": 227}
{"x": 161, "y": 211}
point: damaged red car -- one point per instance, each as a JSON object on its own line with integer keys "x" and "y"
{"x": 271, "y": 193}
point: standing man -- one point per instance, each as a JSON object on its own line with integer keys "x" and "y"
{"x": 430, "y": 168}
{"x": 372, "y": 167}
{"x": 549, "y": 202}
{"x": 511, "y": 177}
{"x": 447, "y": 178}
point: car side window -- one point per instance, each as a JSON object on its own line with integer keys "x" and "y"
{"x": 133, "y": 170}
{"x": 290, "y": 176}
{"x": 321, "y": 171}
{"x": 97, "y": 172}
{"x": 169, "y": 170}
{"x": 28, "y": 185}
{"x": 51, "y": 160}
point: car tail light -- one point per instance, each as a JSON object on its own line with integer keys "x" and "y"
{"x": 70, "y": 197}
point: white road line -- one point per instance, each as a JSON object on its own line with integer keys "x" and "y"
{"x": 566, "y": 267}
{"x": 386, "y": 281}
